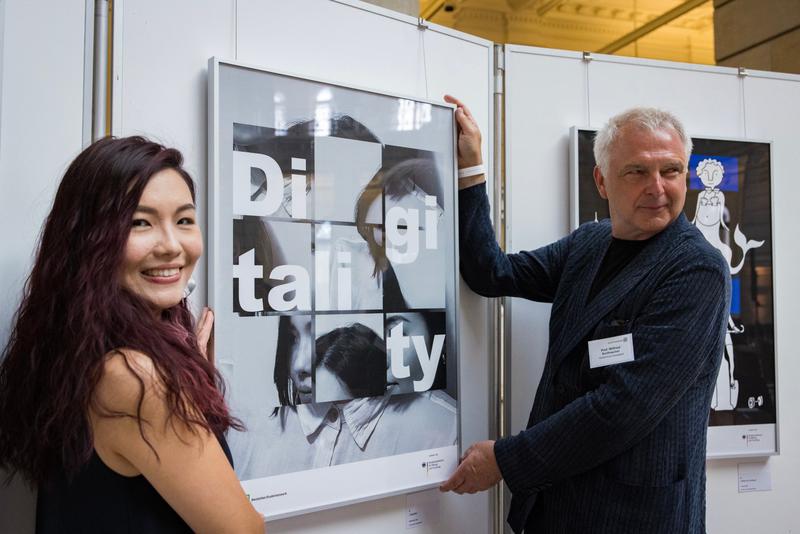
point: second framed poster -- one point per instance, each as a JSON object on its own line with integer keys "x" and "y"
{"x": 332, "y": 273}
{"x": 729, "y": 199}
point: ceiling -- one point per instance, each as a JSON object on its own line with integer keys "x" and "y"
{"x": 675, "y": 30}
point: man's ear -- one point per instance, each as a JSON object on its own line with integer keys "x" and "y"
{"x": 599, "y": 181}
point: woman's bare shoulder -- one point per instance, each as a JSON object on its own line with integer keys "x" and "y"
{"x": 127, "y": 376}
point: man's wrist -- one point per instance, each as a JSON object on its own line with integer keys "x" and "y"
{"x": 472, "y": 170}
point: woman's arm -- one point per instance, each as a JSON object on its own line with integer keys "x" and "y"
{"x": 190, "y": 470}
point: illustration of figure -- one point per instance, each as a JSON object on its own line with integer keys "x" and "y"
{"x": 709, "y": 219}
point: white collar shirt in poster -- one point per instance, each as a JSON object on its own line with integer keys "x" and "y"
{"x": 320, "y": 435}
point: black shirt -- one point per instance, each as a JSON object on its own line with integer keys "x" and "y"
{"x": 100, "y": 500}
{"x": 619, "y": 254}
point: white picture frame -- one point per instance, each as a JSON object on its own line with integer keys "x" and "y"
{"x": 344, "y": 263}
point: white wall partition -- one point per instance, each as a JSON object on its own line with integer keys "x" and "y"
{"x": 549, "y": 91}
{"x": 42, "y": 127}
{"x": 771, "y": 112}
{"x": 161, "y": 53}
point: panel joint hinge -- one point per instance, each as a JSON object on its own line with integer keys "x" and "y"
{"x": 499, "y": 69}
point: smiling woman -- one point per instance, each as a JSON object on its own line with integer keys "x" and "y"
{"x": 110, "y": 404}
{"x": 164, "y": 242}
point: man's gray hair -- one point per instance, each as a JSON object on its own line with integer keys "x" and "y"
{"x": 648, "y": 118}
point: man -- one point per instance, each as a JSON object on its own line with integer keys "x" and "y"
{"x": 616, "y": 438}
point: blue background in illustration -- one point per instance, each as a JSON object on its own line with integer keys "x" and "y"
{"x": 730, "y": 180}
{"x": 736, "y": 295}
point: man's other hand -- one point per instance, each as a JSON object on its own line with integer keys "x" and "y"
{"x": 469, "y": 135}
{"x": 477, "y": 471}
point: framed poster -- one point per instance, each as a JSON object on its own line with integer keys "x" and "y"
{"x": 729, "y": 200}
{"x": 332, "y": 270}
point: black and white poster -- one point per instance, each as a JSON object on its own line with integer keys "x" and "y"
{"x": 332, "y": 275}
{"x": 729, "y": 199}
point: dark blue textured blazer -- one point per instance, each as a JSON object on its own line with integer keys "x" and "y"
{"x": 617, "y": 449}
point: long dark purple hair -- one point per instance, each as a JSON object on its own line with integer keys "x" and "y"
{"x": 74, "y": 312}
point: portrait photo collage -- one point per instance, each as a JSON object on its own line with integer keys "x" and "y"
{"x": 338, "y": 255}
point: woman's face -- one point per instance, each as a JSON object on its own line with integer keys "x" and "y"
{"x": 330, "y": 387}
{"x": 300, "y": 362}
{"x": 164, "y": 242}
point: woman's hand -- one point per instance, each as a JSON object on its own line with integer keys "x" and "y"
{"x": 205, "y": 334}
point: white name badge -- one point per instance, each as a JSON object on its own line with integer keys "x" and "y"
{"x": 610, "y": 350}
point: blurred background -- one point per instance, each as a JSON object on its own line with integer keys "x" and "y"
{"x": 754, "y": 34}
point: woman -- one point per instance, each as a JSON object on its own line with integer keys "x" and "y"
{"x": 405, "y": 181}
{"x": 110, "y": 405}
{"x": 293, "y": 365}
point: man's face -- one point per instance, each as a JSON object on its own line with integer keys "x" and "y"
{"x": 646, "y": 181}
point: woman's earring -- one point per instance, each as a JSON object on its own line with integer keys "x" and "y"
{"x": 190, "y": 285}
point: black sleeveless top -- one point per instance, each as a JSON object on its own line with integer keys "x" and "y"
{"x": 99, "y": 500}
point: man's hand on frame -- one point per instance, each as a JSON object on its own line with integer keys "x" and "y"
{"x": 477, "y": 471}
{"x": 469, "y": 143}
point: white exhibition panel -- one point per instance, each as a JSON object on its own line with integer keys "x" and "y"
{"x": 41, "y": 86}
{"x": 321, "y": 49}
{"x": 461, "y": 65}
{"x": 707, "y": 99}
{"x": 160, "y": 77}
{"x": 771, "y": 112}
{"x": 41, "y": 131}
{"x": 388, "y": 52}
{"x": 712, "y": 102}
{"x": 545, "y": 94}
{"x": 159, "y": 80}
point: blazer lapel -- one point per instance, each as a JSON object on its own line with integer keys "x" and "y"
{"x": 582, "y": 317}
